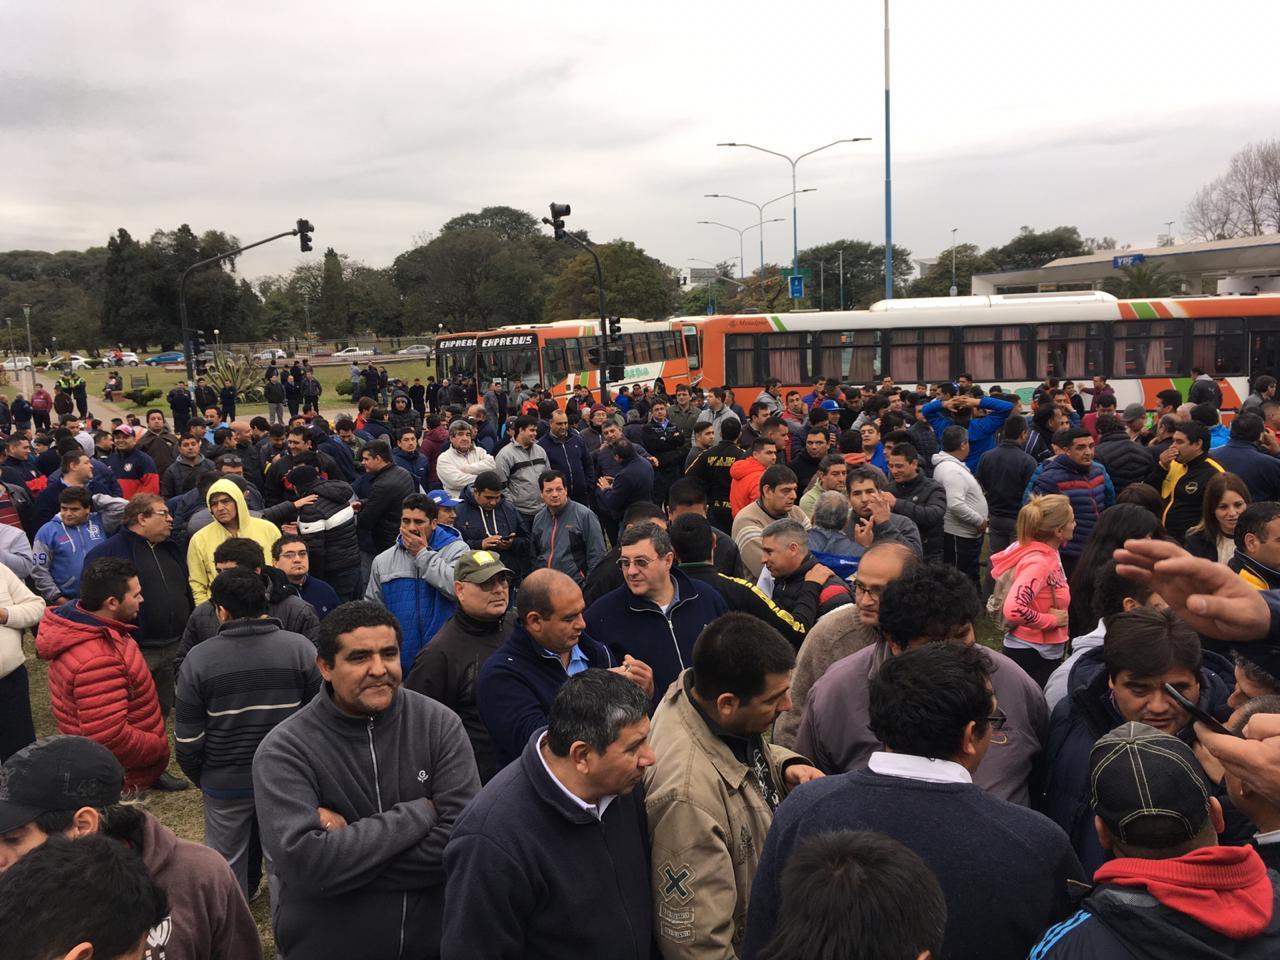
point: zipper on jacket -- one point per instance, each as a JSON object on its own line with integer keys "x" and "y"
{"x": 377, "y": 787}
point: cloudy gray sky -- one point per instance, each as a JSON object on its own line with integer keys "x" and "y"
{"x": 381, "y": 120}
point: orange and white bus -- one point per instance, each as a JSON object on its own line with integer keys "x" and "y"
{"x": 455, "y": 356}
{"x": 1140, "y": 346}
{"x": 557, "y": 355}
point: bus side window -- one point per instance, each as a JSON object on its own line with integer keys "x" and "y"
{"x": 691, "y": 347}
{"x": 1219, "y": 346}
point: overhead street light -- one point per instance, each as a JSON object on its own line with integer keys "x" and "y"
{"x": 760, "y": 213}
{"x": 795, "y": 230}
{"x": 755, "y": 226}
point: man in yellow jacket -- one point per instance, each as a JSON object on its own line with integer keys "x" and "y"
{"x": 712, "y": 793}
{"x": 231, "y": 518}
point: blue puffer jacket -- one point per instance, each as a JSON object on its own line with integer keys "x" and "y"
{"x": 1089, "y": 490}
{"x": 418, "y": 590}
{"x": 632, "y": 625}
{"x": 1084, "y": 715}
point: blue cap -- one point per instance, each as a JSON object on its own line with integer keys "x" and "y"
{"x": 828, "y": 405}
{"x": 442, "y": 499}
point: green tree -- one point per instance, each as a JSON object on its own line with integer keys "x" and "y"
{"x": 375, "y": 302}
{"x": 507, "y": 223}
{"x": 636, "y": 285}
{"x": 514, "y": 286}
{"x": 863, "y": 273}
{"x": 1144, "y": 280}
{"x": 936, "y": 281}
{"x": 1031, "y": 249}
{"x": 332, "y": 317}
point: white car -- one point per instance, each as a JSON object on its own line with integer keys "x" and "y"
{"x": 354, "y": 352}
{"x": 127, "y": 359}
{"x": 417, "y": 348}
{"x": 275, "y": 353}
{"x": 74, "y": 361}
{"x": 17, "y": 363}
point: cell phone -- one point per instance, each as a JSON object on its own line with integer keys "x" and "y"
{"x": 1199, "y": 714}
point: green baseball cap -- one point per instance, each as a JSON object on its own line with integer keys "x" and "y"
{"x": 479, "y": 566}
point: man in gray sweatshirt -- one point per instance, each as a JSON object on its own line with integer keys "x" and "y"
{"x": 566, "y": 535}
{"x": 357, "y": 795}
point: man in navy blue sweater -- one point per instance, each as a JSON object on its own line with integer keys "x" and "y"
{"x": 657, "y": 614}
{"x": 546, "y": 647}
{"x": 1004, "y": 870}
{"x": 551, "y": 859}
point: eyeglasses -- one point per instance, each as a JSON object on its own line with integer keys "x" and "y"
{"x": 998, "y": 719}
{"x": 640, "y": 563}
{"x": 293, "y": 555}
{"x": 861, "y": 587}
{"x": 162, "y": 514}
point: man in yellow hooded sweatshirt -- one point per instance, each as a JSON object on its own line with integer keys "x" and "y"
{"x": 231, "y": 518}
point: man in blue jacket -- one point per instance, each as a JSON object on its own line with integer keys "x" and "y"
{"x": 1076, "y": 476}
{"x": 487, "y": 520}
{"x": 1240, "y": 455}
{"x": 568, "y": 453}
{"x": 546, "y": 647}
{"x": 413, "y": 578}
{"x": 959, "y": 411}
{"x": 632, "y": 484}
{"x": 407, "y": 455}
{"x": 659, "y": 612}
{"x": 1124, "y": 681}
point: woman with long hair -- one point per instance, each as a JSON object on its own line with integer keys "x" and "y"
{"x": 1124, "y": 521}
{"x": 1214, "y": 537}
{"x": 1036, "y": 602}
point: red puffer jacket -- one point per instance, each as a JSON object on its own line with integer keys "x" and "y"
{"x": 100, "y": 688}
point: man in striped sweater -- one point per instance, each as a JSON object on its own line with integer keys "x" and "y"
{"x": 232, "y": 690}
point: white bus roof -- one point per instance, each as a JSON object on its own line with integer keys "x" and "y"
{"x": 994, "y": 300}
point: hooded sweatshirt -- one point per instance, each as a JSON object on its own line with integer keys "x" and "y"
{"x": 60, "y": 555}
{"x": 204, "y": 542}
{"x": 745, "y": 489}
{"x": 1039, "y": 586}
{"x": 1211, "y": 904}
{"x": 208, "y": 917}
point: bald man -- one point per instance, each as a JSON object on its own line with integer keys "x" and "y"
{"x": 845, "y": 630}
{"x": 547, "y": 645}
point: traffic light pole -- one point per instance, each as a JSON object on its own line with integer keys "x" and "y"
{"x": 559, "y": 211}
{"x": 303, "y": 228}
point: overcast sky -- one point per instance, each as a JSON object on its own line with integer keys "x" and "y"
{"x": 379, "y": 121}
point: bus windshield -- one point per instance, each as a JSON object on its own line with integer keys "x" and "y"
{"x": 511, "y": 358}
{"x": 456, "y": 359}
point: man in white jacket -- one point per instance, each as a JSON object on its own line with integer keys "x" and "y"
{"x": 19, "y": 609}
{"x": 965, "y": 523}
{"x": 458, "y": 466}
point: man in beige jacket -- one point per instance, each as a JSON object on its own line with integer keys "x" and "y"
{"x": 711, "y": 795}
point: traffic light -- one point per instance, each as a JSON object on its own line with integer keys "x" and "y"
{"x": 595, "y": 355}
{"x": 615, "y": 359}
{"x": 615, "y": 327}
{"x": 198, "y": 347}
{"x": 304, "y": 235}
{"x": 558, "y": 212}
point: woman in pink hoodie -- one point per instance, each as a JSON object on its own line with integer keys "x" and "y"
{"x": 1035, "y": 606}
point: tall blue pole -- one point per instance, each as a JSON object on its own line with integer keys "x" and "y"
{"x": 888, "y": 180}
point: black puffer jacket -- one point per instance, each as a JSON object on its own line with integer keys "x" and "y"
{"x": 403, "y": 415}
{"x": 1127, "y": 462}
{"x": 329, "y": 528}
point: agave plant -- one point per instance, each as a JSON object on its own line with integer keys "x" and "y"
{"x": 243, "y": 372}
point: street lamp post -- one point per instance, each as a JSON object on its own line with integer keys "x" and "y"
{"x": 795, "y": 229}
{"x": 760, "y": 213}
{"x": 755, "y": 226}
{"x": 842, "y": 278}
{"x": 954, "y": 289}
{"x": 1168, "y": 230}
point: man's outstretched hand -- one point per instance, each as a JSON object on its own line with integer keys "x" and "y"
{"x": 1207, "y": 595}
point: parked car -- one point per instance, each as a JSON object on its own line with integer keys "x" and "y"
{"x": 417, "y": 348}
{"x": 17, "y": 363}
{"x": 354, "y": 352}
{"x": 75, "y": 361}
{"x": 275, "y": 353}
{"x": 127, "y": 358}
{"x": 169, "y": 356}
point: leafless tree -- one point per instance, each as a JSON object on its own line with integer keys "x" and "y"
{"x": 1211, "y": 214}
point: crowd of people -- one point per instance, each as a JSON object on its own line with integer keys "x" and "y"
{"x": 471, "y": 674}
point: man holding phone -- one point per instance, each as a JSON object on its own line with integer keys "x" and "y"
{"x": 1125, "y": 681}
{"x": 488, "y": 520}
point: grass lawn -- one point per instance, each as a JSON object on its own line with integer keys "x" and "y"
{"x": 330, "y": 375}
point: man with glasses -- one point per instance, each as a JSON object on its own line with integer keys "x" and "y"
{"x": 658, "y": 613}
{"x": 929, "y": 605}
{"x": 848, "y": 629}
{"x": 447, "y": 668}
{"x": 290, "y": 556}
{"x": 143, "y": 539}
